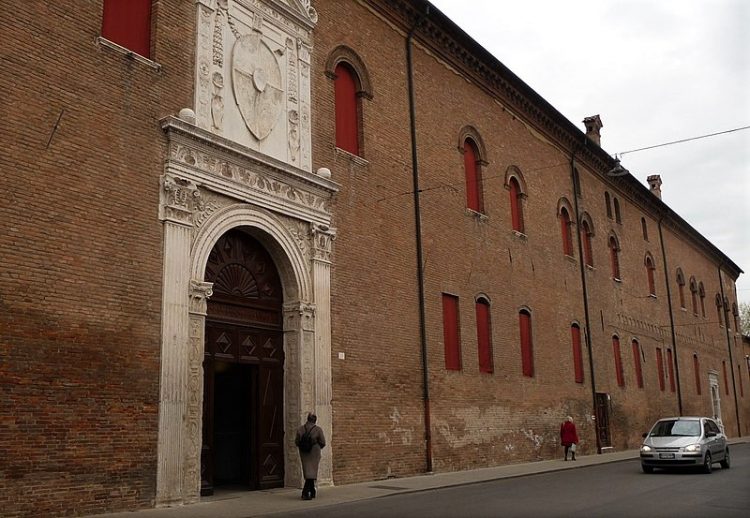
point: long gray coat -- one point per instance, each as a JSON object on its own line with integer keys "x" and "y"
{"x": 311, "y": 459}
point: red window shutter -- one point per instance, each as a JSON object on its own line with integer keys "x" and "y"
{"x": 484, "y": 339}
{"x": 726, "y": 380}
{"x": 575, "y": 333}
{"x": 618, "y": 361}
{"x": 660, "y": 368}
{"x": 670, "y": 369}
{"x": 697, "y": 372}
{"x": 527, "y": 347}
{"x": 347, "y": 117}
{"x": 637, "y": 364}
{"x": 587, "y": 252}
{"x": 516, "y": 211}
{"x": 565, "y": 232}
{"x": 128, "y": 23}
{"x": 473, "y": 177}
{"x": 451, "y": 334}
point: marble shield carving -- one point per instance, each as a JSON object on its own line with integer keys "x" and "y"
{"x": 256, "y": 78}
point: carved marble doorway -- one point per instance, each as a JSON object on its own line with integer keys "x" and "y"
{"x": 243, "y": 389}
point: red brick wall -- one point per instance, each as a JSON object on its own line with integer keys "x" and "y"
{"x": 81, "y": 255}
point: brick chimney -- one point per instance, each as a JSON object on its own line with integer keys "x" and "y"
{"x": 654, "y": 183}
{"x": 593, "y": 126}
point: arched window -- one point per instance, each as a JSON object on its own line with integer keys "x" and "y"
{"x": 575, "y": 334}
{"x": 644, "y": 229}
{"x": 697, "y": 373}
{"x": 702, "y": 295}
{"x": 484, "y": 335}
{"x": 128, "y": 24}
{"x": 516, "y": 206}
{"x": 735, "y": 314}
{"x": 618, "y": 361}
{"x": 527, "y": 346}
{"x": 565, "y": 232}
{"x": 718, "y": 309}
{"x": 588, "y": 255}
{"x": 451, "y": 332}
{"x": 473, "y": 173}
{"x": 618, "y": 218}
{"x": 637, "y": 363}
{"x": 614, "y": 258}
{"x": 681, "y": 287}
{"x": 608, "y": 203}
{"x": 650, "y": 274}
{"x": 347, "y": 109}
{"x": 694, "y": 295}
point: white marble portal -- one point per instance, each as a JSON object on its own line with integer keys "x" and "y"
{"x": 241, "y": 158}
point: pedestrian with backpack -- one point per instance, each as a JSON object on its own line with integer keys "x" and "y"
{"x": 310, "y": 440}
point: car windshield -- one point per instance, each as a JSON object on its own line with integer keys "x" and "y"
{"x": 676, "y": 428}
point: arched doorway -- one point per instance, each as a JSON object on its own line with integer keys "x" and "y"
{"x": 243, "y": 381}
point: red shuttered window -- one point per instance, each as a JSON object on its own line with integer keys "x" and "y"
{"x": 527, "y": 346}
{"x": 660, "y": 368}
{"x": 565, "y": 233}
{"x": 618, "y": 361}
{"x": 588, "y": 255}
{"x": 484, "y": 336}
{"x": 451, "y": 332}
{"x": 697, "y": 372}
{"x": 473, "y": 177}
{"x": 516, "y": 208}
{"x": 614, "y": 259}
{"x": 128, "y": 23}
{"x": 637, "y": 363}
{"x": 670, "y": 369}
{"x": 347, "y": 109}
{"x": 575, "y": 334}
{"x": 650, "y": 276}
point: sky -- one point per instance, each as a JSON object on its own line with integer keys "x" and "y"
{"x": 655, "y": 71}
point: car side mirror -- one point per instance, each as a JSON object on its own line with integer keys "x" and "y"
{"x": 645, "y": 434}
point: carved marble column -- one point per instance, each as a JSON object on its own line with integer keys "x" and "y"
{"x": 177, "y": 197}
{"x": 322, "y": 244}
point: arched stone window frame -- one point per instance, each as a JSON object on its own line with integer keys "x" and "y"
{"x": 514, "y": 173}
{"x": 486, "y": 365}
{"x": 680, "y": 278}
{"x": 469, "y": 134}
{"x": 587, "y": 233}
{"x": 613, "y": 244}
{"x": 694, "y": 295}
{"x": 650, "y": 264}
{"x": 702, "y": 295}
{"x": 565, "y": 212}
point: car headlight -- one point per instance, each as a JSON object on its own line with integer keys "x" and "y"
{"x": 693, "y": 447}
{"x": 645, "y": 448}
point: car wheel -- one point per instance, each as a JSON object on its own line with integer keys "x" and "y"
{"x": 707, "y": 463}
{"x": 725, "y": 462}
{"x": 647, "y": 469}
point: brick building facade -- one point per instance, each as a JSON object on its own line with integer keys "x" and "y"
{"x": 214, "y": 223}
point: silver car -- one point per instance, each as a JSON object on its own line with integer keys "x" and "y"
{"x": 682, "y": 442}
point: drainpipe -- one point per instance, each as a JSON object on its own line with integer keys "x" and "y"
{"x": 671, "y": 316}
{"x": 729, "y": 349}
{"x": 418, "y": 237}
{"x": 587, "y": 334}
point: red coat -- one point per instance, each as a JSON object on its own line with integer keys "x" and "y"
{"x": 568, "y": 433}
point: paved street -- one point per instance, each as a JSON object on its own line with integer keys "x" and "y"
{"x": 607, "y": 490}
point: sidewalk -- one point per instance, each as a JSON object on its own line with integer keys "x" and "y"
{"x": 247, "y": 504}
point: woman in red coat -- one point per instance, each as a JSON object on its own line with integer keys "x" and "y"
{"x": 569, "y": 437}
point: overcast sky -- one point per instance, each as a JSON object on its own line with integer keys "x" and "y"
{"x": 656, "y": 71}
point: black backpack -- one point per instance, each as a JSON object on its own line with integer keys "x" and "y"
{"x": 306, "y": 442}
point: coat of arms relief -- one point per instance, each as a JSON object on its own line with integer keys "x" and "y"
{"x": 253, "y": 74}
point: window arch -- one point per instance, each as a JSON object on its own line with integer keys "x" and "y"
{"x": 702, "y": 295}
{"x": 644, "y": 229}
{"x": 527, "y": 346}
{"x": 473, "y": 175}
{"x": 694, "y": 295}
{"x": 566, "y": 233}
{"x": 575, "y": 335}
{"x": 681, "y": 287}
{"x": 516, "y": 187}
{"x": 736, "y": 314}
{"x": 618, "y": 218}
{"x": 608, "y": 204}
{"x": 587, "y": 232}
{"x": 614, "y": 256}
{"x": 718, "y": 309}
{"x": 351, "y": 85}
{"x": 650, "y": 268}
{"x": 484, "y": 334}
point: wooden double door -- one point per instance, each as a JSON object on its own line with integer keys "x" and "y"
{"x": 243, "y": 382}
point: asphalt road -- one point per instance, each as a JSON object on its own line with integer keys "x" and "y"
{"x": 609, "y": 490}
